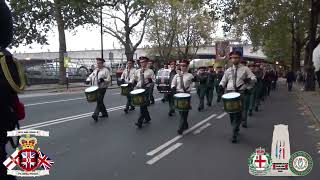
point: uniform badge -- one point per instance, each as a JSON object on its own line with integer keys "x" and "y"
{"x": 300, "y": 163}
{"x": 27, "y": 161}
{"x": 259, "y": 162}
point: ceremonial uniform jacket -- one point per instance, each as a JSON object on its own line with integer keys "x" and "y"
{"x": 187, "y": 81}
{"x": 148, "y": 74}
{"x": 128, "y": 75}
{"x": 240, "y": 73}
{"x": 97, "y": 74}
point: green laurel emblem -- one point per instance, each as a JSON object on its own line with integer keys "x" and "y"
{"x": 300, "y": 163}
{"x": 253, "y": 169}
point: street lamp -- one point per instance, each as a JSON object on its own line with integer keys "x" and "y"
{"x": 101, "y": 29}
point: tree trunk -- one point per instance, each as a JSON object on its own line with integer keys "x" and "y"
{"x": 62, "y": 41}
{"x": 297, "y": 58}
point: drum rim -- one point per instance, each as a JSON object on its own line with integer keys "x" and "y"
{"x": 91, "y": 87}
{"x": 137, "y": 91}
{"x": 177, "y": 95}
{"x": 231, "y": 93}
{"x": 124, "y": 85}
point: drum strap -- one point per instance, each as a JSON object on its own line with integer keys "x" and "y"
{"x": 182, "y": 83}
{"x": 235, "y": 72}
{"x": 142, "y": 77}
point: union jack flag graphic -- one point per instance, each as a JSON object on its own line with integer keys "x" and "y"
{"x": 44, "y": 161}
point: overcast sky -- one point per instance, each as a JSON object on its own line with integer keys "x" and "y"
{"x": 84, "y": 39}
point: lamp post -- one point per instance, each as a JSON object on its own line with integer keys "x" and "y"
{"x": 101, "y": 29}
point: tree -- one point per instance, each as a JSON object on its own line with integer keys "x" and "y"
{"x": 126, "y": 22}
{"x": 163, "y": 26}
{"x": 34, "y": 19}
{"x": 280, "y": 25}
{"x": 179, "y": 28}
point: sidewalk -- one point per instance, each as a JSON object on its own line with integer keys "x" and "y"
{"x": 62, "y": 88}
{"x": 311, "y": 99}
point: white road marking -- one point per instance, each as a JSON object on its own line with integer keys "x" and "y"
{"x": 66, "y": 119}
{"x": 201, "y": 128}
{"x": 164, "y": 153}
{"x": 156, "y": 150}
{"x": 221, "y": 116}
{"x": 49, "y": 102}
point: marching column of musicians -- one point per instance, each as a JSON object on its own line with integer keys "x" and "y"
{"x": 249, "y": 84}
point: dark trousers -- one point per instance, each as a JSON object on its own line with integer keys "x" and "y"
{"x": 151, "y": 98}
{"x": 129, "y": 100}
{"x": 171, "y": 102}
{"x": 201, "y": 91}
{"x": 183, "y": 124}
{"x": 144, "y": 113}
{"x": 235, "y": 120}
{"x": 219, "y": 93}
{"x": 100, "y": 105}
{"x": 209, "y": 95}
{"x": 290, "y": 86}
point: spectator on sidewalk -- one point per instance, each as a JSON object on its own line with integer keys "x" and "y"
{"x": 290, "y": 79}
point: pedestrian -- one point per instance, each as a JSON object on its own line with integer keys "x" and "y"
{"x": 127, "y": 77}
{"x": 210, "y": 85}
{"x": 144, "y": 78}
{"x": 258, "y": 72}
{"x": 182, "y": 83}
{"x": 100, "y": 77}
{"x": 8, "y": 96}
{"x": 236, "y": 79}
{"x": 290, "y": 79}
{"x": 173, "y": 72}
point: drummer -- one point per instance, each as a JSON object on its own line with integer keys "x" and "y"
{"x": 219, "y": 75}
{"x": 170, "y": 94}
{"x": 210, "y": 85}
{"x": 150, "y": 66}
{"x": 182, "y": 83}
{"x": 126, "y": 78}
{"x": 100, "y": 77}
{"x": 236, "y": 79}
{"x": 165, "y": 95}
{"x": 144, "y": 77}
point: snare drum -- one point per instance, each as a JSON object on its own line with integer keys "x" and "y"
{"x": 232, "y": 102}
{"x": 182, "y": 101}
{"x": 91, "y": 93}
{"x": 138, "y": 97}
{"x": 124, "y": 89}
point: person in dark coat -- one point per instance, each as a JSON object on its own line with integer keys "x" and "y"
{"x": 8, "y": 96}
{"x": 290, "y": 79}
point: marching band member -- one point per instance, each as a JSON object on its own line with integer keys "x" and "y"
{"x": 165, "y": 98}
{"x": 170, "y": 95}
{"x": 144, "y": 77}
{"x": 151, "y": 67}
{"x": 100, "y": 77}
{"x": 182, "y": 83}
{"x": 201, "y": 78}
{"x": 219, "y": 75}
{"x": 236, "y": 79}
{"x": 210, "y": 85}
{"x": 126, "y": 77}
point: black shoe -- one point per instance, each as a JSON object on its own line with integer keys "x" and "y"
{"x": 132, "y": 108}
{"x": 244, "y": 126}
{"x": 180, "y": 131}
{"x": 186, "y": 126}
{"x": 104, "y": 115}
{"x": 147, "y": 121}
{"x": 209, "y": 104}
{"x": 139, "y": 125}
{"x": 234, "y": 139}
{"x": 200, "y": 109}
{"x": 250, "y": 113}
{"x": 256, "y": 109}
{"x": 125, "y": 110}
{"x": 170, "y": 114}
{"x": 152, "y": 102}
{"x": 95, "y": 118}
{"x": 163, "y": 100}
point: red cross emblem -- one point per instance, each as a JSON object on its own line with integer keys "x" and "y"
{"x": 260, "y": 161}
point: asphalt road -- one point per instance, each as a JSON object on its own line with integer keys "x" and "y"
{"x": 114, "y": 148}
